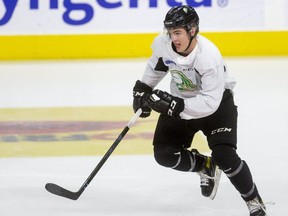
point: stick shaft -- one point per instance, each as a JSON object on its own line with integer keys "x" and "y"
{"x": 55, "y": 189}
{"x": 111, "y": 149}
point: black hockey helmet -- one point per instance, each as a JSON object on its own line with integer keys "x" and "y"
{"x": 181, "y": 16}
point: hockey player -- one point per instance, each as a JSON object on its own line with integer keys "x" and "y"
{"x": 201, "y": 99}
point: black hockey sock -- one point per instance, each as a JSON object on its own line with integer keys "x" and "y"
{"x": 241, "y": 178}
{"x": 183, "y": 160}
{"x": 190, "y": 161}
{"x": 236, "y": 170}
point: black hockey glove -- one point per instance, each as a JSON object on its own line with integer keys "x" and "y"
{"x": 166, "y": 103}
{"x": 141, "y": 92}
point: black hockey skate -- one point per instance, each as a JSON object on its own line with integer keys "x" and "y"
{"x": 256, "y": 207}
{"x": 210, "y": 178}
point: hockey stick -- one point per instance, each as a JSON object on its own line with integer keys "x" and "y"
{"x": 57, "y": 190}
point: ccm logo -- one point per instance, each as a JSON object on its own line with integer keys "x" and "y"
{"x": 170, "y": 110}
{"x": 220, "y": 130}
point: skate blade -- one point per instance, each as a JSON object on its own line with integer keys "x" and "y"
{"x": 216, "y": 183}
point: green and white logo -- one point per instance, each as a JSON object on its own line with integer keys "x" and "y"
{"x": 182, "y": 81}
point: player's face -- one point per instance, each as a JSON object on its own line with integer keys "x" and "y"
{"x": 180, "y": 38}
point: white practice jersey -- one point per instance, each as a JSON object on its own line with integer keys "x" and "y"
{"x": 199, "y": 78}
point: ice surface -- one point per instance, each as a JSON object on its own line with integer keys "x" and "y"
{"x": 136, "y": 185}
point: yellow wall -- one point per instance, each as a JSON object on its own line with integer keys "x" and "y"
{"x": 133, "y": 45}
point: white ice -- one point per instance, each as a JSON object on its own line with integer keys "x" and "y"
{"x": 136, "y": 185}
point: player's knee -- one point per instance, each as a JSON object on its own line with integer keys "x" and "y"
{"x": 165, "y": 157}
{"x": 226, "y": 158}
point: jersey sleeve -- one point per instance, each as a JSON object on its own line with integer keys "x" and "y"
{"x": 155, "y": 69}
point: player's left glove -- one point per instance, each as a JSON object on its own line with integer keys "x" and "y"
{"x": 141, "y": 93}
{"x": 163, "y": 102}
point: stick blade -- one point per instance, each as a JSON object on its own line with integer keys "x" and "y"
{"x": 59, "y": 191}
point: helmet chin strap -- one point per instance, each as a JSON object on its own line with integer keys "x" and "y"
{"x": 191, "y": 38}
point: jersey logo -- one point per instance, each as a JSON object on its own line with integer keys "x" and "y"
{"x": 167, "y": 62}
{"x": 183, "y": 83}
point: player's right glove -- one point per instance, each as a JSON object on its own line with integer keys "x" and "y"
{"x": 141, "y": 93}
{"x": 165, "y": 103}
